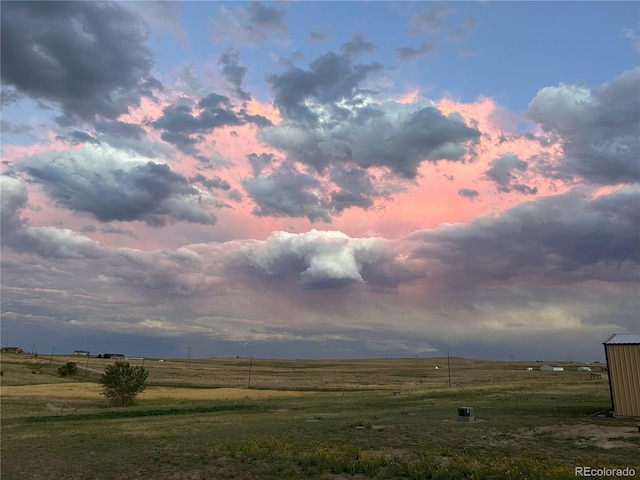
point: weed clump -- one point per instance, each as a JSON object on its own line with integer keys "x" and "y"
{"x": 67, "y": 370}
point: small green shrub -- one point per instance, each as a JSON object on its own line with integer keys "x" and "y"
{"x": 361, "y": 423}
{"x": 68, "y": 369}
{"x": 122, "y": 383}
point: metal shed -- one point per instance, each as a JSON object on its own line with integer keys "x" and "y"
{"x": 622, "y": 351}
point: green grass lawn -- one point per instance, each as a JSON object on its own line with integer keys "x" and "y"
{"x": 396, "y": 420}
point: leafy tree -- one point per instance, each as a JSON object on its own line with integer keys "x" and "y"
{"x": 69, "y": 368}
{"x": 121, "y": 383}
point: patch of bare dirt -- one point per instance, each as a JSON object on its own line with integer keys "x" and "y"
{"x": 604, "y": 436}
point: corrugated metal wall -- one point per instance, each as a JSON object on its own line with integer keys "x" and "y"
{"x": 624, "y": 377}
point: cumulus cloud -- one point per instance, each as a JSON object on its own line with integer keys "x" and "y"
{"x": 281, "y": 189}
{"x": 234, "y": 73}
{"x": 406, "y": 54}
{"x": 45, "y": 241}
{"x": 598, "y": 126}
{"x": 323, "y": 259}
{"x": 114, "y": 185}
{"x": 355, "y": 188}
{"x": 331, "y": 78}
{"x": 287, "y": 192}
{"x": 393, "y": 135}
{"x": 87, "y": 58}
{"x": 252, "y": 26}
{"x": 14, "y": 198}
{"x": 468, "y": 192}
{"x": 184, "y": 125}
{"x": 259, "y": 162}
{"x": 358, "y": 45}
{"x": 337, "y": 128}
{"x": 501, "y": 172}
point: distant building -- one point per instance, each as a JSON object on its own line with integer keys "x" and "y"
{"x": 11, "y": 350}
{"x": 622, "y": 351}
{"x": 583, "y": 369}
{"x": 551, "y": 368}
{"x": 81, "y": 353}
{"x": 111, "y": 355}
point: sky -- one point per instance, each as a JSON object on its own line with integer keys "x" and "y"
{"x": 320, "y": 179}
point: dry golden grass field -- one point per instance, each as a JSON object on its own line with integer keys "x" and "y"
{"x": 327, "y": 419}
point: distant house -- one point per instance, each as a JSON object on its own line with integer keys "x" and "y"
{"x": 623, "y": 362}
{"x": 551, "y": 368}
{"x": 583, "y": 369}
{"x": 11, "y": 350}
{"x": 81, "y": 353}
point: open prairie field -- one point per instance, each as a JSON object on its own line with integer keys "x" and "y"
{"x": 289, "y": 419}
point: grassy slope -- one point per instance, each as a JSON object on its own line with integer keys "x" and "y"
{"x": 371, "y": 419}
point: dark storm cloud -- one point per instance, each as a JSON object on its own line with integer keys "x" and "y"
{"x": 9, "y": 96}
{"x": 259, "y": 162}
{"x": 212, "y": 183}
{"x": 287, "y": 192}
{"x": 330, "y": 78}
{"x": 258, "y": 120}
{"x": 397, "y": 136}
{"x": 468, "y": 193}
{"x": 214, "y": 100}
{"x": 558, "y": 239}
{"x": 253, "y": 26}
{"x": 234, "y": 73}
{"x": 235, "y": 195}
{"x": 355, "y": 188}
{"x": 406, "y": 54}
{"x": 358, "y": 45}
{"x": 501, "y": 172}
{"x": 178, "y": 122}
{"x": 120, "y": 129}
{"x": 111, "y": 186}
{"x": 329, "y": 118}
{"x": 598, "y": 126}
{"x": 182, "y": 141}
{"x": 281, "y": 190}
{"x": 88, "y": 58}
{"x": 180, "y": 119}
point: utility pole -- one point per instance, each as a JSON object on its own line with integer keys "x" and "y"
{"x": 449, "y": 368}
{"x": 250, "y": 365}
{"x": 51, "y": 357}
{"x": 188, "y": 357}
